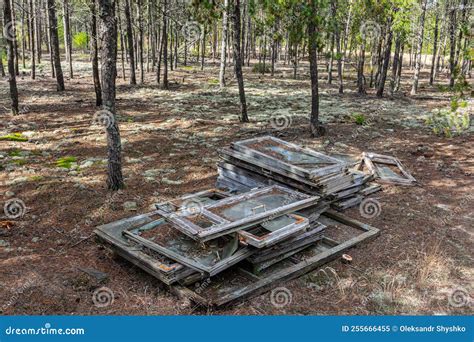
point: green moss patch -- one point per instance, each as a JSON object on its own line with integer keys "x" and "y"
{"x": 66, "y": 162}
{"x": 14, "y": 137}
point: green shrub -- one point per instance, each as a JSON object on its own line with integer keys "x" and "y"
{"x": 80, "y": 40}
{"x": 259, "y": 68}
{"x": 359, "y": 119}
{"x": 449, "y": 122}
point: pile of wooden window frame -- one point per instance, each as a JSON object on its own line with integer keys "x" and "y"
{"x": 268, "y": 221}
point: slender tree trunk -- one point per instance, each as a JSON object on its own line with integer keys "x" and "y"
{"x": 238, "y": 62}
{"x": 53, "y": 32}
{"x": 32, "y": 39}
{"x": 122, "y": 42}
{"x": 7, "y": 21}
{"x": 243, "y": 33}
{"x": 435, "y": 47}
{"x": 452, "y": 48}
{"x": 396, "y": 57}
{"x": 223, "y": 44}
{"x": 360, "y": 71}
{"x": 419, "y": 49}
{"x": 95, "y": 54}
{"x": 108, "y": 44}
{"x": 316, "y": 128}
{"x": 67, "y": 36}
{"x": 23, "y": 35}
{"x": 386, "y": 61}
{"x": 50, "y": 48}
{"x": 400, "y": 66}
{"x": 203, "y": 48}
{"x": 2, "y": 68}
{"x": 165, "y": 46}
{"x": 331, "y": 57}
{"x": 131, "y": 54}
{"x": 37, "y": 31}
{"x": 15, "y": 42}
{"x": 140, "y": 41}
{"x": 346, "y": 37}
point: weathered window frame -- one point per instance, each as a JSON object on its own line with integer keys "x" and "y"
{"x": 370, "y": 160}
{"x": 180, "y": 218}
{"x": 301, "y": 224}
{"x": 310, "y": 173}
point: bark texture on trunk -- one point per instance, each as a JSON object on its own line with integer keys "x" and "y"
{"x": 53, "y": 31}
{"x": 223, "y": 45}
{"x": 435, "y": 48}
{"x": 131, "y": 55}
{"x": 95, "y": 54}
{"x": 7, "y": 18}
{"x": 238, "y": 62}
{"x": 108, "y": 41}
{"x": 419, "y": 49}
{"x": 386, "y": 61}
{"x": 165, "y": 47}
{"x": 67, "y": 37}
{"x": 316, "y": 128}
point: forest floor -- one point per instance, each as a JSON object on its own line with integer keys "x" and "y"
{"x": 170, "y": 144}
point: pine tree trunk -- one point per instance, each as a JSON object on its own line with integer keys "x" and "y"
{"x": 53, "y": 31}
{"x": 243, "y": 33}
{"x": 67, "y": 37}
{"x": 32, "y": 40}
{"x": 51, "y": 57}
{"x": 223, "y": 45}
{"x": 396, "y": 60}
{"x": 131, "y": 56}
{"x": 23, "y": 35}
{"x": 419, "y": 49}
{"x": 400, "y": 66}
{"x": 360, "y": 71}
{"x": 452, "y": 43}
{"x": 95, "y": 54}
{"x": 108, "y": 44}
{"x": 165, "y": 46}
{"x": 203, "y": 48}
{"x": 2, "y": 68}
{"x": 435, "y": 47}
{"x": 331, "y": 57}
{"x": 316, "y": 128}
{"x": 7, "y": 21}
{"x": 140, "y": 41}
{"x": 238, "y": 62}
{"x": 37, "y": 31}
{"x": 122, "y": 43}
{"x": 15, "y": 42}
{"x": 386, "y": 61}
